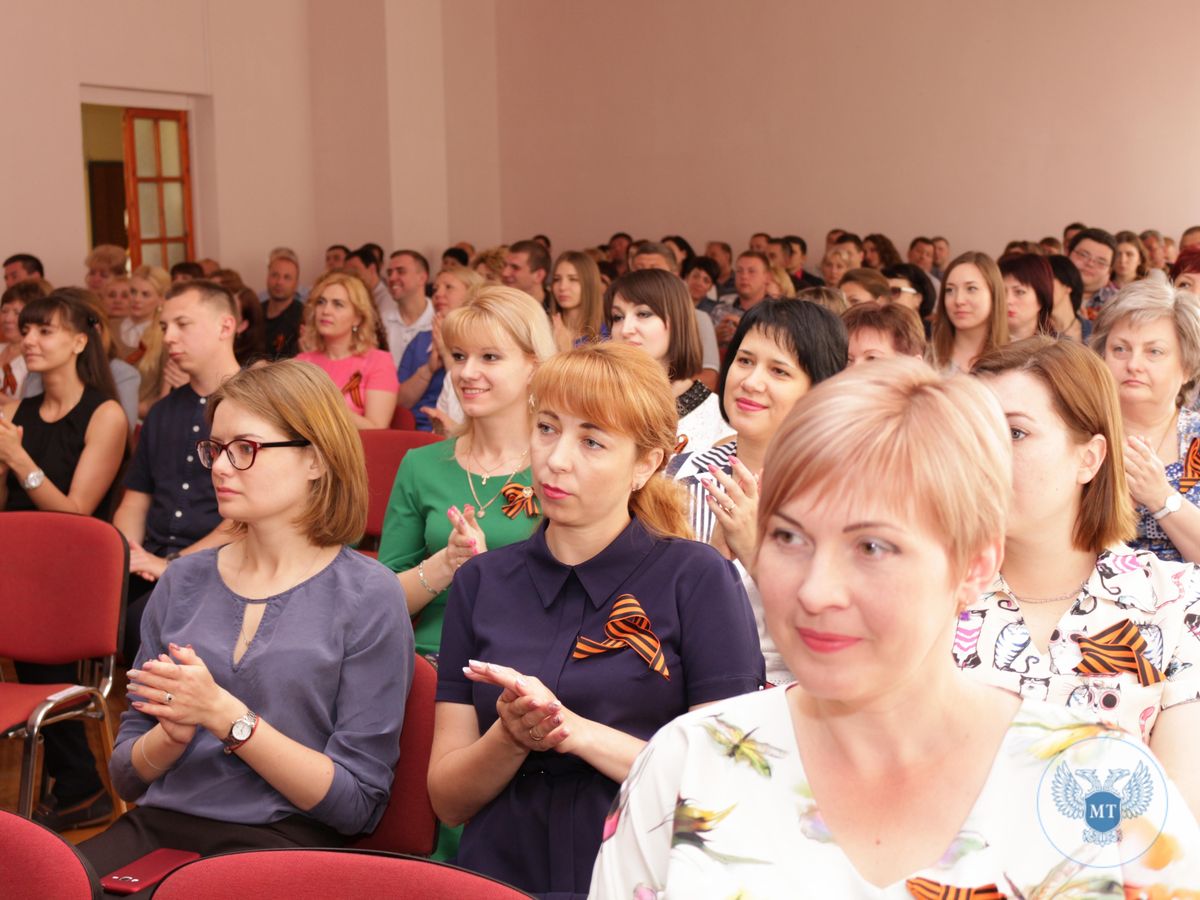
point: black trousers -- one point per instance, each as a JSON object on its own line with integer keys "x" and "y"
{"x": 67, "y": 757}
{"x": 146, "y": 828}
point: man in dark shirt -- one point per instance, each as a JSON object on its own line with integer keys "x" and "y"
{"x": 283, "y": 307}
{"x": 169, "y": 508}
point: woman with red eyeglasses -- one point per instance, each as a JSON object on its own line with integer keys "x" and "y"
{"x": 269, "y": 689}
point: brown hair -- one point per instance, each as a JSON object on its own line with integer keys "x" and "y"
{"x": 869, "y": 280}
{"x": 621, "y": 389}
{"x": 1131, "y": 238}
{"x": 829, "y": 297}
{"x": 1085, "y": 398}
{"x": 897, "y": 323}
{"x": 944, "y": 331}
{"x": 937, "y": 449}
{"x": 109, "y": 257}
{"x": 591, "y": 296}
{"x": 301, "y": 401}
{"x": 668, "y": 297}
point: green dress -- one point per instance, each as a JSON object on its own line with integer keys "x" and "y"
{"x": 416, "y": 526}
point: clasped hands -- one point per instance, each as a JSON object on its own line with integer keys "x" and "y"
{"x": 532, "y": 717}
{"x": 180, "y": 692}
{"x": 144, "y": 563}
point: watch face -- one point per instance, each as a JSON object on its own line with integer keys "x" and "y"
{"x": 240, "y": 730}
{"x": 1175, "y": 502}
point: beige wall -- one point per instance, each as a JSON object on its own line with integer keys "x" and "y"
{"x": 422, "y": 122}
{"x": 984, "y": 120}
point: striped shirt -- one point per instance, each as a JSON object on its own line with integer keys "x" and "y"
{"x": 688, "y": 469}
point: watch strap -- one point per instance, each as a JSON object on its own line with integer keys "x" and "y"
{"x": 1174, "y": 503}
{"x": 232, "y": 743}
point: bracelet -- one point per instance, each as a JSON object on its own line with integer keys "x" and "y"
{"x": 424, "y": 583}
{"x": 142, "y": 744}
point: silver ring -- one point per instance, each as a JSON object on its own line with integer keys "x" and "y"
{"x": 168, "y": 698}
{"x": 535, "y": 738}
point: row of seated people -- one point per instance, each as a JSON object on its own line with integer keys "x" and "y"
{"x": 605, "y": 417}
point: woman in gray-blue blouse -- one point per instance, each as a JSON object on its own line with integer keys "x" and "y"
{"x": 269, "y": 690}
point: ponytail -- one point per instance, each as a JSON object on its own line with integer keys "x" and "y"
{"x": 661, "y": 506}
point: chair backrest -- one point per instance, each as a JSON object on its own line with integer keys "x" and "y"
{"x": 36, "y": 863}
{"x": 409, "y": 824}
{"x": 403, "y": 419}
{"x": 384, "y": 449}
{"x": 310, "y": 874}
{"x": 62, "y": 593}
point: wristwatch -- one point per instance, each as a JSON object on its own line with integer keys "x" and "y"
{"x": 33, "y": 480}
{"x": 1173, "y": 504}
{"x": 240, "y": 731}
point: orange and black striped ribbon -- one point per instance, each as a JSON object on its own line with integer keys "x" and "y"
{"x": 353, "y": 387}
{"x": 1191, "y": 467}
{"x": 927, "y": 889}
{"x": 1117, "y": 649}
{"x": 520, "y": 499}
{"x": 136, "y": 356}
{"x": 627, "y": 626}
{"x": 10, "y": 380}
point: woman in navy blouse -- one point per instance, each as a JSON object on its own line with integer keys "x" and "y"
{"x": 563, "y": 654}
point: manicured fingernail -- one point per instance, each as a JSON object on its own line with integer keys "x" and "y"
{"x": 467, "y": 670}
{"x": 735, "y": 460}
{"x": 520, "y": 682}
{"x": 558, "y": 720}
{"x": 473, "y": 663}
{"x": 712, "y": 468}
{"x": 134, "y": 673}
{"x": 137, "y": 704}
{"x": 555, "y": 706}
{"x": 566, "y": 732}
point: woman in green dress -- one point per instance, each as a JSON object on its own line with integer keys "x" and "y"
{"x": 456, "y": 498}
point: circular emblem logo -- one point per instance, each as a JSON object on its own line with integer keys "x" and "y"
{"x": 1103, "y": 801}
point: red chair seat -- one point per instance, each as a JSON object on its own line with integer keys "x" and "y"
{"x": 18, "y": 701}
{"x": 322, "y": 874}
{"x": 36, "y": 863}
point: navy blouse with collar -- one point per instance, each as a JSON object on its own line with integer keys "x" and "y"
{"x": 518, "y": 606}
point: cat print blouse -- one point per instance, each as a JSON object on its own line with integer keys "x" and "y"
{"x": 1127, "y": 647}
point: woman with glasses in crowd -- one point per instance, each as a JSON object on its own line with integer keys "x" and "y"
{"x": 269, "y": 690}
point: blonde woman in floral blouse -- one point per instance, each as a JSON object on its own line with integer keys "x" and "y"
{"x": 1075, "y": 616}
{"x": 884, "y": 772}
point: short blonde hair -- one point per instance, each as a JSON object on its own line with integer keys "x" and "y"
{"x": 830, "y": 298}
{"x": 491, "y": 259}
{"x": 1148, "y": 300}
{"x": 361, "y": 340}
{"x": 787, "y": 287}
{"x": 471, "y": 280}
{"x": 936, "y": 450}
{"x": 300, "y": 400}
{"x": 107, "y": 256}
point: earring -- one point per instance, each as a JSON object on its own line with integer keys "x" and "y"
{"x": 354, "y": 329}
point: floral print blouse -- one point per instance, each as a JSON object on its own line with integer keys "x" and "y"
{"x": 718, "y": 805}
{"x": 1184, "y": 476}
{"x": 1132, "y": 603}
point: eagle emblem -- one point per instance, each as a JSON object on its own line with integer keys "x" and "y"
{"x": 1102, "y": 806}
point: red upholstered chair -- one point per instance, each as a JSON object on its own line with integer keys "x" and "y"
{"x": 311, "y": 874}
{"x": 62, "y": 598}
{"x": 384, "y": 449}
{"x": 409, "y": 824}
{"x": 35, "y": 863}
{"x": 403, "y": 419}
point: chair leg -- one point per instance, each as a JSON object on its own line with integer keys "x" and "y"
{"x": 106, "y": 738}
{"x": 28, "y": 773}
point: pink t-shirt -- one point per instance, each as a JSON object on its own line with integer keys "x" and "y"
{"x": 355, "y": 375}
